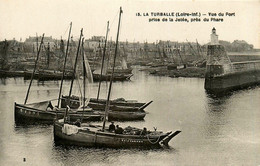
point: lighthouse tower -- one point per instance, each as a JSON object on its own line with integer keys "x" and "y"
{"x": 214, "y": 37}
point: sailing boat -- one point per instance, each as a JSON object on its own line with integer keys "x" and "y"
{"x": 123, "y": 69}
{"x": 177, "y": 65}
{"x": 120, "y": 109}
{"x": 122, "y": 73}
{"x": 117, "y": 77}
{"x": 100, "y": 136}
{"x": 44, "y": 111}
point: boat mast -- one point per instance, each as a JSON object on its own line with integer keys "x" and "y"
{"x": 112, "y": 75}
{"x": 102, "y": 64}
{"x": 64, "y": 66}
{"x": 36, "y": 61}
{"x": 37, "y": 42}
{"x": 74, "y": 71}
{"x": 84, "y": 76}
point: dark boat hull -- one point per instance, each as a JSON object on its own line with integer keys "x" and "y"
{"x": 4, "y": 73}
{"x": 30, "y": 115}
{"x": 90, "y": 138}
{"x": 45, "y": 76}
{"x": 119, "y": 102}
{"x": 97, "y": 106}
{"x": 121, "y": 71}
{"x": 117, "y": 77}
{"x": 117, "y": 112}
{"x": 101, "y": 102}
{"x": 125, "y": 116}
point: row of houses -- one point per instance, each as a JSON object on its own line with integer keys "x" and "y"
{"x": 96, "y": 43}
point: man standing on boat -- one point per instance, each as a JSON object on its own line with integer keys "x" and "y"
{"x": 112, "y": 127}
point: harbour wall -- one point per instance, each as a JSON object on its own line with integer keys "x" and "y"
{"x": 222, "y": 75}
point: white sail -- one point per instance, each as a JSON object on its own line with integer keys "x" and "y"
{"x": 124, "y": 64}
{"x": 78, "y": 88}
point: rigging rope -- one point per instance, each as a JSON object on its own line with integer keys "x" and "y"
{"x": 151, "y": 141}
{"x": 66, "y": 30}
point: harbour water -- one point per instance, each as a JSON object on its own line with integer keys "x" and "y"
{"x": 215, "y": 131}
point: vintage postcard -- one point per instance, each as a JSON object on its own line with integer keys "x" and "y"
{"x": 140, "y": 82}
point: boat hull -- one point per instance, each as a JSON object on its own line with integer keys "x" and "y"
{"x": 117, "y": 77}
{"x": 117, "y": 110}
{"x": 45, "y": 76}
{"x": 121, "y": 71}
{"x": 90, "y": 138}
{"x": 30, "y": 115}
{"x": 119, "y": 102}
{"x": 125, "y": 116}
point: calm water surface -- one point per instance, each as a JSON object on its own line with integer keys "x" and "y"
{"x": 215, "y": 131}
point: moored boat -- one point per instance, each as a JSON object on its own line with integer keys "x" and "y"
{"x": 121, "y": 71}
{"x": 117, "y": 77}
{"x": 94, "y": 136}
{"x": 100, "y": 103}
{"x": 120, "y": 109}
{"x": 97, "y": 136}
{"x": 126, "y": 116}
{"x": 45, "y": 113}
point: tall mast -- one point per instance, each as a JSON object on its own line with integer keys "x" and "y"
{"x": 112, "y": 75}
{"x": 75, "y": 64}
{"x": 84, "y": 76}
{"x": 179, "y": 55}
{"x": 74, "y": 71}
{"x": 36, "y": 42}
{"x": 102, "y": 64}
{"x": 36, "y": 61}
{"x": 64, "y": 66}
{"x": 198, "y": 49}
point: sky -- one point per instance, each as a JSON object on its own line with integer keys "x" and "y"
{"x": 24, "y": 18}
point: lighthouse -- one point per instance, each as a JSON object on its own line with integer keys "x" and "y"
{"x": 214, "y": 37}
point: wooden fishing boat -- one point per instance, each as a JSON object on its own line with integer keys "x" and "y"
{"x": 100, "y": 103}
{"x": 53, "y": 75}
{"x": 5, "y": 73}
{"x": 68, "y": 133}
{"x": 44, "y": 75}
{"x": 126, "y": 116}
{"x": 119, "y": 102}
{"x": 117, "y": 77}
{"x": 94, "y": 136}
{"x": 121, "y": 110}
{"x": 45, "y": 113}
{"x": 121, "y": 71}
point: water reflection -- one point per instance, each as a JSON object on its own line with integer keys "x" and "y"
{"x": 71, "y": 155}
{"x": 221, "y": 110}
{"x": 216, "y": 116}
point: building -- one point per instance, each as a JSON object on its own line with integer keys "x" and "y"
{"x": 95, "y": 42}
{"x": 31, "y": 43}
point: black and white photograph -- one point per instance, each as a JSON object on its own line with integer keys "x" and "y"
{"x": 129, "y": 82}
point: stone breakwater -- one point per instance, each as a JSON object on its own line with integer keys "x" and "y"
{"x": 223, "y": 75}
